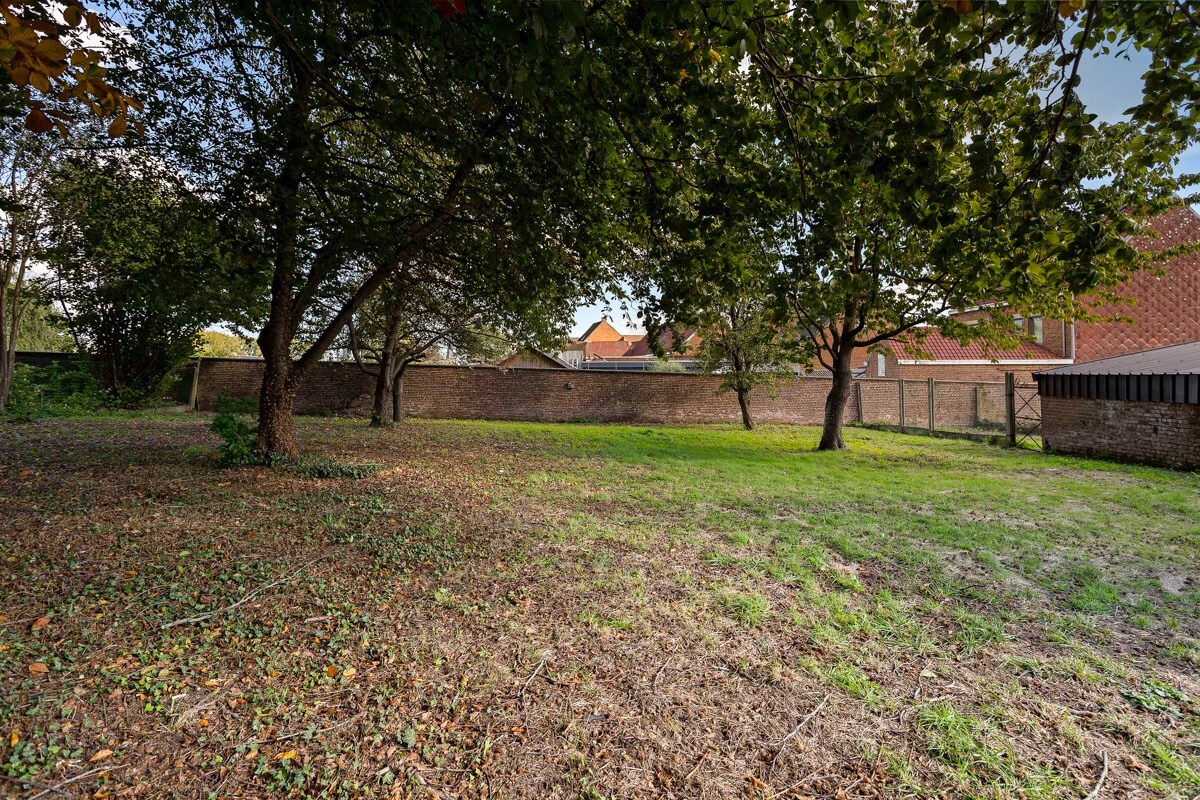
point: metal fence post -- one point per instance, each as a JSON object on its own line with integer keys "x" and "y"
{"x": 930, "y": 390}
{"x": 862, "y": 416}
{"x": 1010, "y": 409}
{"x": 900, "y": 383}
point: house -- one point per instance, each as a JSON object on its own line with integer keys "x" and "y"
{"x": 532, "y": 358}
{"x": 1141, "y": 407}
{"x": 604, "y": 347}
{"x": 1165, "y": 309}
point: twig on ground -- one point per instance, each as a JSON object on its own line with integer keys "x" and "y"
{"x": 246, "y": 599}
{"x": 708, "y": 749}
{"x": 799, "y": 726}
{"x": 29, "y": 783}
{"x": 1100, "y": 781}
{"x": 532, "y": 675}
{"x": 56, "y": 788}
{"x": 306, "y": 731}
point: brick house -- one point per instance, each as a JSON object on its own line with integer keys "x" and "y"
{"x": 1164, "y": 304}
{"x": 601, "y": 342}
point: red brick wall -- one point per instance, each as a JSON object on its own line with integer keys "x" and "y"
{"x": 562, "y": 395}
{"x": 1164, "y": 434}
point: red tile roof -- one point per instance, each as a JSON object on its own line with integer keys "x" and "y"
{"x": 933, "y": 346}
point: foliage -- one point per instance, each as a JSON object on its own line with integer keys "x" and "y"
{"x": 882, "y": 197}
{"x": 233, "y": 425}
{"x": 58, "y": 50}
{"x": 215, "y": 344}
{"x": 40, "y": 392}
{"x": 742, "y": 343}
{"x": 42, "y": 329}
{"x": 328, "y": 468}
{"x": 138, "y": 260}
{"x": 357, "y": 139}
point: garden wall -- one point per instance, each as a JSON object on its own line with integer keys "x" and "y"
{"x": 560, "y": 395}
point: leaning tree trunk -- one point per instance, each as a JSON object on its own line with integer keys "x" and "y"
{"x": 398, "y": 395}
{"x": 835, "y": 402}
{"x": 743, "y": 396}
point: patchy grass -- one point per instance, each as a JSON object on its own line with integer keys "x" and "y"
{"x": 468, "y": 609}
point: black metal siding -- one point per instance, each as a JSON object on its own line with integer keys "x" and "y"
{"x": 1132, "y": 388}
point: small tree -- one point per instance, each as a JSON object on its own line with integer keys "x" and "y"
{"x": 742, "y": 343}
{"x": 403, "y": 335}
{"x": 136, "y": 262}
{"x": 24, "y": 163}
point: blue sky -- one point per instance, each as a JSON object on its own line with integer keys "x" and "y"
{"x": 1108, "y": 87}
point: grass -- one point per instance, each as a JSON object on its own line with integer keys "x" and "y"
{"x": 501, "y": 609}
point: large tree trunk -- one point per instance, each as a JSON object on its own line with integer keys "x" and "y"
{"x": 275, "y": 432}
{"x": 398, "y": 395}
{"x": 835, "y": 402}
{"x": 379, "y": 415}
{"x": 743, "y": 396}
{"x": 388, "y": 368}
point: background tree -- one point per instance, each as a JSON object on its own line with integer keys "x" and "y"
{"x": 24, "y": 164}
{"x": 216, "y": 344}
{"x": 743, "y": 343}
{"x": 357, "y": 134}
{"x": 137, "y": 263}
{"x": 908, "y": 159}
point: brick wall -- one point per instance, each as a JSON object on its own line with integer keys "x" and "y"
{"x": 1163, "y": 434}
{"x": 562, "y": 395}
{"x": 1166, "y": 311}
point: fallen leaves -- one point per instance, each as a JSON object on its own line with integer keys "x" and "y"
{"x": 38, "y": 668}
{"x": 100, "y": 755}
{"x": 287, "y": 755}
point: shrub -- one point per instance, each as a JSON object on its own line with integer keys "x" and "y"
{"x": 233, "y": 426}
{"x": 54, "y": 391}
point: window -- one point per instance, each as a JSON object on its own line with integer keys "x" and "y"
{"x": 880, "y": 364}
{"x": 1019, "y": 323}
{"x": 1035, "y": 329}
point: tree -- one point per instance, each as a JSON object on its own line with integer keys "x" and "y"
{"x": 905, "y": 159}
{"x": 215, "y": 344}
{"x": 399, "y": 327}
{"x": 137, "y": 263}
{"x": 24, "y": 163}
{"x": 356, "y": 136}
{"x": 743, "y": 343}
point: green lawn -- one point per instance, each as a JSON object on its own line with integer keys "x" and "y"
{"x": 585, "y": 611}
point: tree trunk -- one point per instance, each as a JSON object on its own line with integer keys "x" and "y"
{"x": 379, "y": 416}
{"x": 743, "y": 396}
{"x": 275, "y": 431}
{"x": 6, "y": 374}
{"x": 398, "y": 395}
{"x": 835, "y": 402}
{"x": 276, "y": 436}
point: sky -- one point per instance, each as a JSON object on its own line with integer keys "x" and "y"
{"x": 1108, "y": 87}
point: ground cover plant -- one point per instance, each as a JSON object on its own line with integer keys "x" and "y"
{"x": 588, "y": 611}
